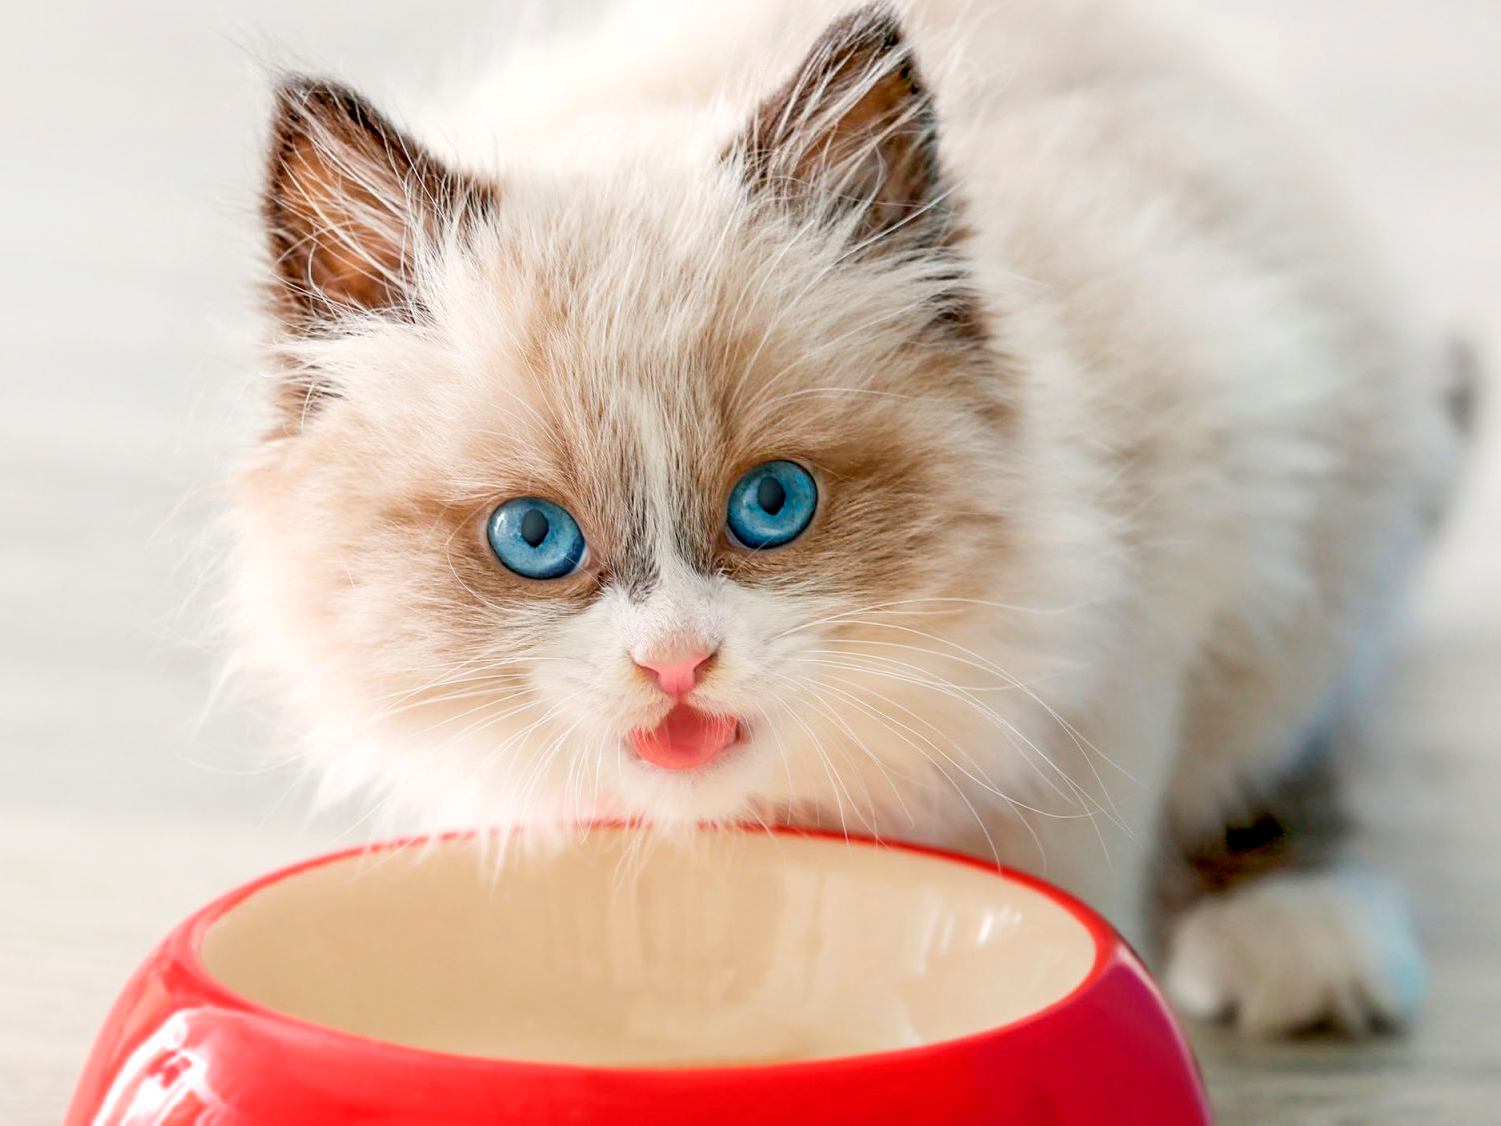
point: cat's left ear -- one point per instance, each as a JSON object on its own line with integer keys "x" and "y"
{"x": 853, "y": 138}
{"x": 350, "y": 202}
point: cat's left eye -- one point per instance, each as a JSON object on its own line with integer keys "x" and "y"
{"x": 536, "y": 538}
{"x": 772, "y": 505}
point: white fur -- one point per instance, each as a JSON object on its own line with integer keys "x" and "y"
{"x": 1288, "y": 951}
{"x": 1229, "y": 439}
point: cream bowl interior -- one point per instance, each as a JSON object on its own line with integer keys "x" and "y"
{"x": 741, "y": 948}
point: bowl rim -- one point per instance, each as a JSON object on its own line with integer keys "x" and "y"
{"x": 184, "y": 945}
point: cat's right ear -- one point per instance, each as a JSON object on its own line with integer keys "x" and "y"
{"x": 350, "y": 203}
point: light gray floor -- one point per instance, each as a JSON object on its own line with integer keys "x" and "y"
{"x": 129, "y": 147}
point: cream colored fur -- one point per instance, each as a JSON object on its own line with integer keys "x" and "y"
{"x": 1081, "y": 631}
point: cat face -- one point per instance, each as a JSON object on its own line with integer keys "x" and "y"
{"x": 666, "y": 494}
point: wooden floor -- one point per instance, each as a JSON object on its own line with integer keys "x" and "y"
{"x": 129, "y": 149}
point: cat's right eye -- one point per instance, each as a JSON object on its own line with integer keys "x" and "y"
{"x": 536, "y": 538}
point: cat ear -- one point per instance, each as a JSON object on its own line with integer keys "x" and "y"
{"x": 853, "y": 136}
{"x": 348, "y": 200}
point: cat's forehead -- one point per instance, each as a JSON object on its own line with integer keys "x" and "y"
{"x": 677, "y": 331}
{"x": 635, "y": 400}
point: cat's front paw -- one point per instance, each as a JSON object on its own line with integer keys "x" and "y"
{"x": 1296, "y": 951}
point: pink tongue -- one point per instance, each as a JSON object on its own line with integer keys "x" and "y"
{"x": 685, "y": 739}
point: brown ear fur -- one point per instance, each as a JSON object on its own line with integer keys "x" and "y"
{"x": 345, "y": 195}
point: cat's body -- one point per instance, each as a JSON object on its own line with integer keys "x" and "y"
{"x": 1121, "y": 451}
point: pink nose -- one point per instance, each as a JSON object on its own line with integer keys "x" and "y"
{"x": 677, "y": 674}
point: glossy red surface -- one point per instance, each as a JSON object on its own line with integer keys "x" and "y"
{"x": 179, "y": 1048}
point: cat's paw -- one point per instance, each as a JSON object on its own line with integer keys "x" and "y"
{"x": 1297, "y": 951}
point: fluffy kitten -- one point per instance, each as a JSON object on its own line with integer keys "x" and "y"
{"x": 1098, "y": 450}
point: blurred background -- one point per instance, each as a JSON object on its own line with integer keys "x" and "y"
{"x": 128, "y": 796}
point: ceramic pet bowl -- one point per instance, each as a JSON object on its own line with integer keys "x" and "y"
{"x": 749, "y": 978}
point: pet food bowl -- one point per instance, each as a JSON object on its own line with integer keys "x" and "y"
{"x": 747, "y": 977}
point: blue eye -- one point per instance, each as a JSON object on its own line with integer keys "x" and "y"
{"x": 535, "y": 538}
{"x": 772, "y": 504}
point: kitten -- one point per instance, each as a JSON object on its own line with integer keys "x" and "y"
{"x": 968, "y": 428}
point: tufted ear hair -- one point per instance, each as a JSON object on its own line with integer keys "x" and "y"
{"x": 348, "y": 201}
{"x": 853, "y": 137}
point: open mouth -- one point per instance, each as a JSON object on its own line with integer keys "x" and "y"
{"x": 686, "y": 738}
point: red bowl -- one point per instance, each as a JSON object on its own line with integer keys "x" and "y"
{"x": 754, "y": 979}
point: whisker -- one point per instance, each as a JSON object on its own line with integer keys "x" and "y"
{"x": 988, "y": 666}
{"x": 875, "y": 759}
{"x": 1018, "y": 738}
{"x": 824, "y": 762}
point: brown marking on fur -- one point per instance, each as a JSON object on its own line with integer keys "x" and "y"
{"x": 1295, "y": 824}
{"x": 887, "y": 504}
{"x": 886, "y": 494}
